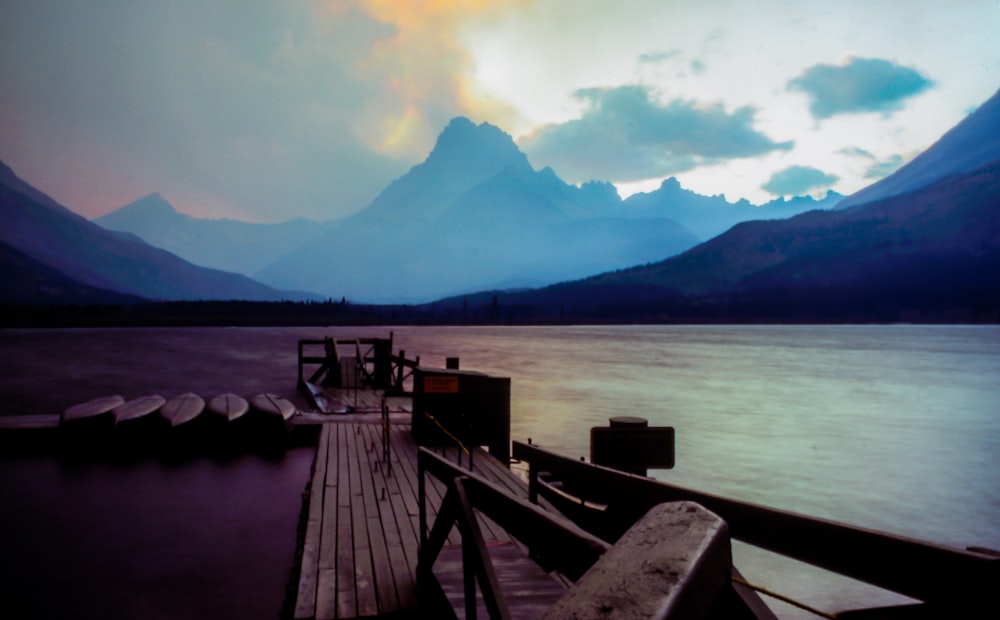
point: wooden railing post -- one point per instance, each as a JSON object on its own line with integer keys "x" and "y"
{"x": 672, "y": 563}
{"x": 474, "y": 552}
{"x": 301, "y": 384}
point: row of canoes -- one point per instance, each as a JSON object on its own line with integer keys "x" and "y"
{"x": 179, "y": 410}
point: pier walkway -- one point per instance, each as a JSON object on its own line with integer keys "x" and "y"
{"x": 359, "y": 556}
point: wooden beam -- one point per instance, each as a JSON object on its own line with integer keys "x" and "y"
{"x": 561, "y": 544}
{"x": 672, "y": 563}
{"x": 920, "y": 570}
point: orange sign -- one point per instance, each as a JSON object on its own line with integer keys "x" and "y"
{"x": 437, "y": 384}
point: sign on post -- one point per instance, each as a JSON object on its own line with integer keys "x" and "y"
{"x": 440, "y": 384}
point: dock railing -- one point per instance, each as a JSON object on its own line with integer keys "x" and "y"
{"x": 557, "y": 545}
{"x": 374, "y": 366}
{"x": 675, "y": 562}
{"x": 327, "y": 365}
{"x": 948, "y": 582}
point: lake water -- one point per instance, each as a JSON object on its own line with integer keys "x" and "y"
{"x": 890, "y": 427}
{"x": 895, "y": 428}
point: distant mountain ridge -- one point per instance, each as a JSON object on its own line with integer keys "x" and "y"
{"x": 474, "y": 214}
{"x": 922, "y": 244}
{"x": 965, "y": 147}
{"x": 929, "y": 254}
{"x": 708, "y": 216}
{"x": 225, "y": 244}
{"x": 464, "y": 155}
{"x": 54, "y": 249}
{"x": 959, "y": 214}
{"x": 28, "y": 281}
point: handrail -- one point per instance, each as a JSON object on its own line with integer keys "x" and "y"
{"x": 329, "y": 363}
{"x": 555, "y": 544}
{"x": 920, "y": 570}
{"x": 399, "y": 376}
{"x": 456, "y": 509}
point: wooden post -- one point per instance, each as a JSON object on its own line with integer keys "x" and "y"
{"x": 301, "y": 383}
{"x": 399, "y": 370}
{"x": 672, "y": 563}
{"x": 382, "y": 373}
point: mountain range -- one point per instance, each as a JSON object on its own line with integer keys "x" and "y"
{"x": 967, "y": 146}
{"x": 928, "y": 250}
{"x": 226, "y": 244}
{"x": 922, "y": 243}
{"x": 52, "y": 255}
{"x": 473, "y": 215}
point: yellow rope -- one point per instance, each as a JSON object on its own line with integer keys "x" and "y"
{"x": 785, "y": 599}
{"x": 445, "y": 431}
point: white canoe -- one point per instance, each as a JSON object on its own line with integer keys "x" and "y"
{"x": 137, "y": 408}
{"x": 274, "y": 405}
{"x": 182, "y": 408}
{"x": 229, "y": 405}
{"x": 92, "y": 408}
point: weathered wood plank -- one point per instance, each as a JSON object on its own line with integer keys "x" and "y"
{"x": 406, "y": 511}
{"x": 396, "y": 529}
{"x": 364, "y": 573}
{"x": 372, "y": 486}
{"x": 528, "y": 591}
{"x": 434, "y": 488}
{"x": 305, "y": 605}
{"x": 360, "y": 553}
{"x": 326, "y": 595}
{"x": 346, "y": 599}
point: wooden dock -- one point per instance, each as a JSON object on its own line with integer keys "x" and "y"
{"x": 359, "y": 556}
{"x": 612, "y": 540}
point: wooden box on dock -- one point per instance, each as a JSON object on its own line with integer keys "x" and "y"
{"x": 452, "y": 406}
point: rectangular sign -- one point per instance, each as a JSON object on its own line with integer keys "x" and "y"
{"x": 651, "y": 447}
{"x": 440, "y": 384}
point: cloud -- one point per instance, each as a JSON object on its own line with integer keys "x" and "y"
{"x": 658, "y": 57}
{"x": 884, "y": 168}
{"x": 858, "y": 85}
{"x": 425, "y": 71}
{"x": 798, "y": 181}
{"x": 856, "y": 151}
{"x": 624, "y": 135}
{"x": 262, "y": 110}
{"x": 877, "y": 169}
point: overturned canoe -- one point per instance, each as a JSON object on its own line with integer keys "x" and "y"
{"x": 92, "y": 408}
{"x": 229, "y": 405}
{"x": 273, "y": 404}
{"x": 182, "y": 408}
{"x": 137, "y": 408}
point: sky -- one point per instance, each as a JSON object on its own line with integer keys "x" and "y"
{"x": 265, "y": 110}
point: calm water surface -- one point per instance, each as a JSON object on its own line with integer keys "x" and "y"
{"x": 895, "y": 427}
{"x": 890, "y": 427}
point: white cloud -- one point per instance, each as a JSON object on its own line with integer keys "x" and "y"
{"x": 272, "y": 109}
{"x": 859, "y": 85}
{"x": 798, "y": 181}
{"x": 624, "y": 135}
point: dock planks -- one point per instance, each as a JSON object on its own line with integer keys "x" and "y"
{"x": 359, "y": 554}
